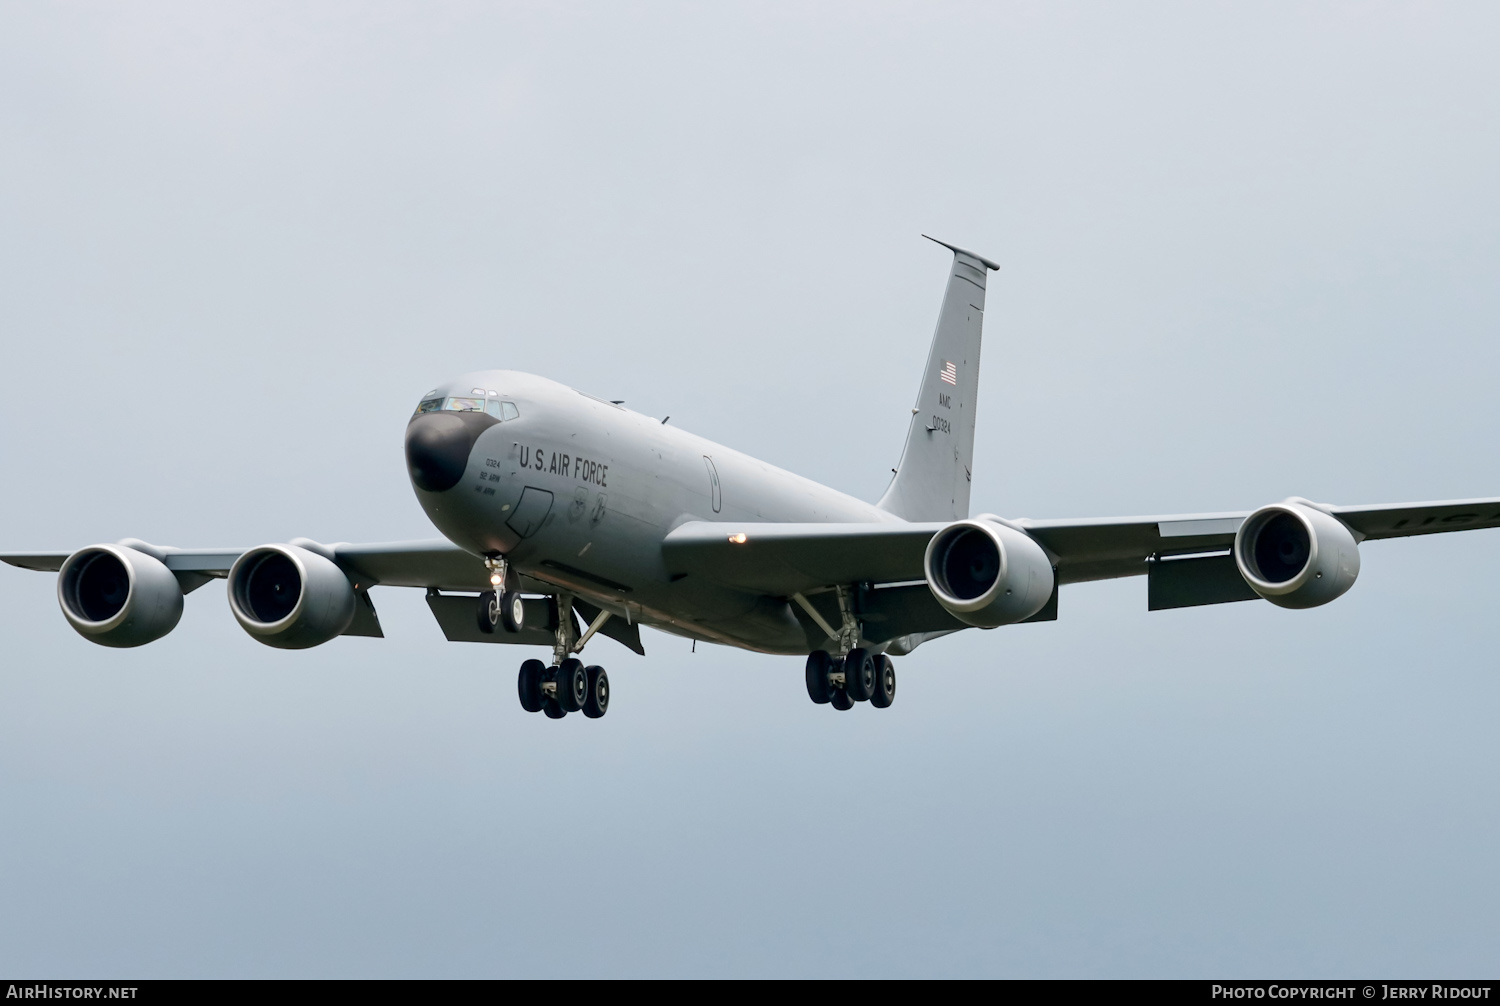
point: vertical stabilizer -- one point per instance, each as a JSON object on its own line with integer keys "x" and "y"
{"x": 932, "y": 480}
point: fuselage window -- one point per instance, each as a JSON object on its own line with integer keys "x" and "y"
{"x": 511, "y": 412}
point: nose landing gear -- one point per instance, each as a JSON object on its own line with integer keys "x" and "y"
{"x": 500, "y": 607}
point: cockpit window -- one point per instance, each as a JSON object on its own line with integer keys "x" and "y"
{"x": 450, "y": 405}
{"x": 502, "y": 410}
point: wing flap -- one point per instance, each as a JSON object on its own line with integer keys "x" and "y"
{"x": 457, "y": 616}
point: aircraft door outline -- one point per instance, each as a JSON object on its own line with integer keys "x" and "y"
{"x": 716, "y": 496}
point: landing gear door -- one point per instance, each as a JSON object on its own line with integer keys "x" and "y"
{"x": 526, "y": 519}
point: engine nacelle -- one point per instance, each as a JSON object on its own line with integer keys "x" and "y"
{"x": 289, "y": 597}
{"x": 1295, "y": 555}
{"x": 987, "y": 574}
{"x": 115, "y": 595}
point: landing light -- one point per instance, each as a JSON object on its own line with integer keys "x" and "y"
{"x": 495, "y": 579}
{"x": 738, "y": 538}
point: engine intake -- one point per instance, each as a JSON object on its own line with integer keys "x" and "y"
{"x": 289, "y": 597}
{"x": 1295, "y": 555}
{"x": 986, "y": 573}
{"x": 115, "y": 595}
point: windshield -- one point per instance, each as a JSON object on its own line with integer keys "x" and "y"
{"x": 500, "y": 410}
{"x": 451, "y": 405}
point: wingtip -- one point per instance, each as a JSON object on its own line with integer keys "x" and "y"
{"x": 955, "y": 249}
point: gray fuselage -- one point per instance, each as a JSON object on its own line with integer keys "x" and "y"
{"x": 579, "y": 493}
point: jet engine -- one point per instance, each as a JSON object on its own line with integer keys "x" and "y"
{"x": 289, "y": 597}
{"x": 986, "y": 573}
{"x": 115, "y": 595}
{"x": 1295, "y": 555}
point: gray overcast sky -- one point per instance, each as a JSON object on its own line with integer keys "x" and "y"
{"x": 1249, "y": 251}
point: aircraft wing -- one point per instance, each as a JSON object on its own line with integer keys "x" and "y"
{"x": 783, "y": 559}
{"x": 430, "y": 563}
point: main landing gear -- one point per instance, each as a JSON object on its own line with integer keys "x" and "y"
{"x": 858, "y": 676}
{"x": 861, "y": 676}
{"x": 567, "y": 686}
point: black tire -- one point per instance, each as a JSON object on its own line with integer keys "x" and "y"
{"x": 885, "y": 683}
{"x": 572, "y": 684}
{"x": 841, "y": 700}
{"x": 859, "y": 675}
{"x": 553, "y": 710}
{"x": 597, "y": 704}
{"x": 819, "y": 666}
{"x": 512, "y": 611}
{"x": 529, "y": 684}
{"x": 488, "y": 611}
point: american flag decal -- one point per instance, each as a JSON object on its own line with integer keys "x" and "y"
{"x": 949, "y": 374}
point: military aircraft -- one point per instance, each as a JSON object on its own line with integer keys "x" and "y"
{"x": 565, "y": 516}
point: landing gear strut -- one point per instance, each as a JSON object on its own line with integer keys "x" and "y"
{"x": 857, "y": 676}
{"x": 567, "y": 686}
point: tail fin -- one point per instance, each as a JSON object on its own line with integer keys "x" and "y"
{"x": 932, "y": 479}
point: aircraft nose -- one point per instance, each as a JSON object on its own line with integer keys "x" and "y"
{"x": 438, "y": 446}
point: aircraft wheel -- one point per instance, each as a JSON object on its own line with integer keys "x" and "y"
{"x": 512, "y": 611}
{"x": 489, "y": 611}
{"x": 859, "y": 675}
{"x": 597, "y": 704}
{"x": 819, "y": 666}
{"x": 572, "y": 684}
{"x": 529, "y": 684}
{"x": 553, "y": 710}
{"x": 885, "y": 682}
{"x": 841, "y": 700}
